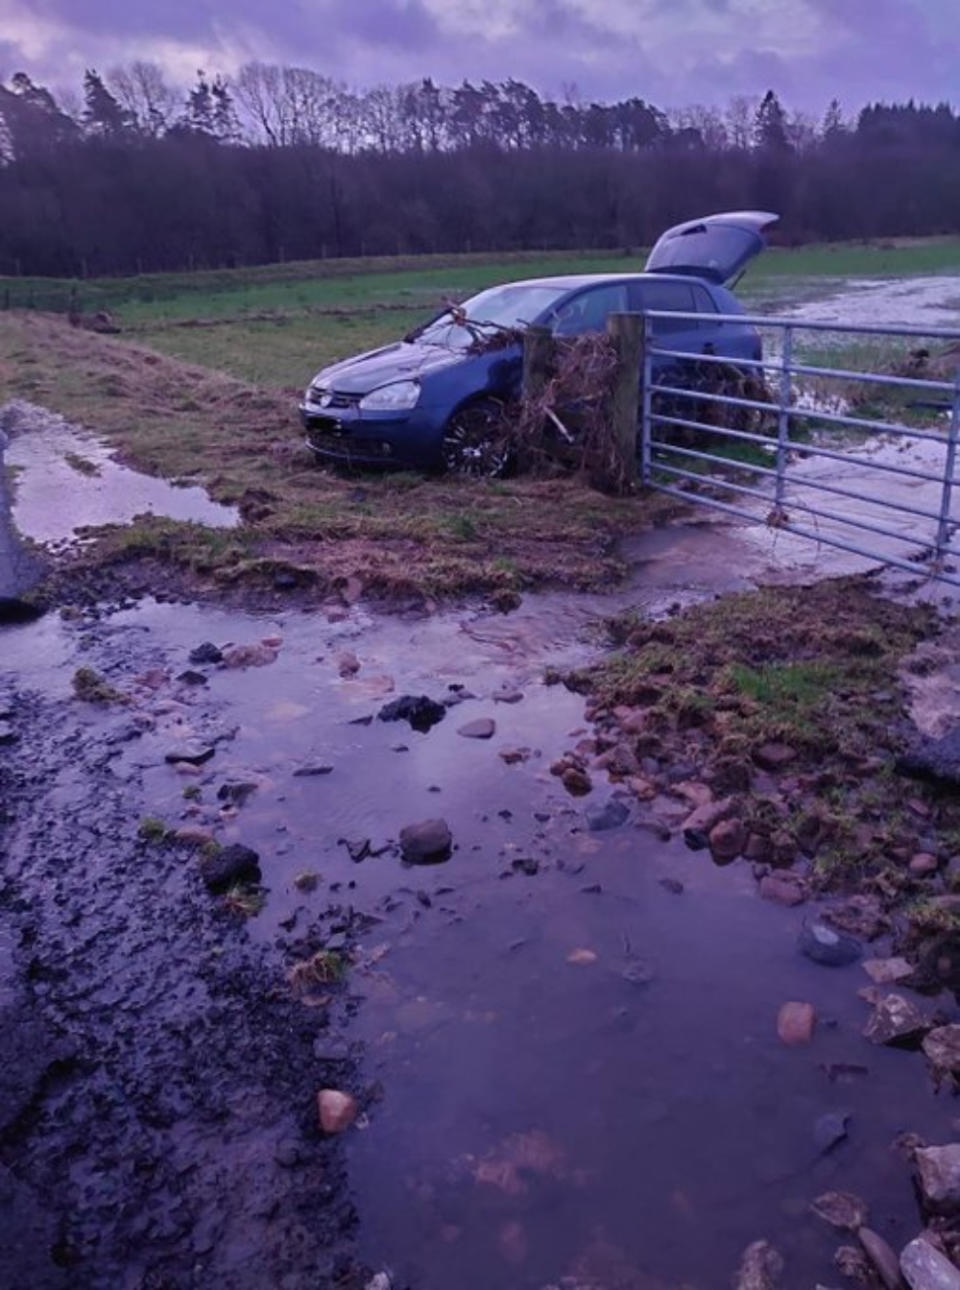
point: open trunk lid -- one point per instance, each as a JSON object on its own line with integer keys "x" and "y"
{"x": 716, "y": 247}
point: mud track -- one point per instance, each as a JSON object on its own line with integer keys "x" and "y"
{"x": 157, "y": 1123}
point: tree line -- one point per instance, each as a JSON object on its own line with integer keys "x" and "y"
{"x": 285, "y": 163}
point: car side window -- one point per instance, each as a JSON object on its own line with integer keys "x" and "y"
{"x": 588, "y": 310}
{"x": 705, "y": 304}
{"x": 667, "y": 295}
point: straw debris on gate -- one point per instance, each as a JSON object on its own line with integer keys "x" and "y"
{"x": 564, "y": 420}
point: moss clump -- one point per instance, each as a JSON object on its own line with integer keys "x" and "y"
{"x": 91, "y": 687}
{"x": 151, "y": 829}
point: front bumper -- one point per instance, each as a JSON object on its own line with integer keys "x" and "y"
{"x": 373, "y": 439}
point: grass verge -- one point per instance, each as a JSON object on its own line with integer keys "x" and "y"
{"x": 787, "y": 704}
{"x": 303, "y": 527}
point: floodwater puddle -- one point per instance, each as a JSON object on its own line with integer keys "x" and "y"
{"x": 571, "y": 1034}
{"x": 921, "y": 301}
{"x": 884, "y": 302}
{"x": 881, "y": 518}
{"x": 66, "y": 481}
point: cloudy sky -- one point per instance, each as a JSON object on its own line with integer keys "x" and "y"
{"x": 672, "y": 52}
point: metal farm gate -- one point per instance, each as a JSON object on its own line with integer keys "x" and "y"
{"x": 859, "y": 459}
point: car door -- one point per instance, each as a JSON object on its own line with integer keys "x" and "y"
{"x": 666, "y": 294}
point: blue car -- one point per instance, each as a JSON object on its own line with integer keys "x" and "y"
{"x": 431, "y": 402}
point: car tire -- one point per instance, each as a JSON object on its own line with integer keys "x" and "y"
{"x": 476, "y": 441}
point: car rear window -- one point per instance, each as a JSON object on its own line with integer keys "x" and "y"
{"x": 668, "y": 296}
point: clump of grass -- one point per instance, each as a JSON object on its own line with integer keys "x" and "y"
{"x": 91, "y": 687}
{"x": 244, "y": 900}
{"x": 927, "y": 918}
{"x": 326, "y": 967}
{"x": 192, "y": 793}
{"x": 152, "y": 829}
{"x": 82, "y": 465}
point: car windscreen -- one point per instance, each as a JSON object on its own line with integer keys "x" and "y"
{"x": 514, "y": 305}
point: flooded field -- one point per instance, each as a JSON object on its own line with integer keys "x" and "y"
{"x": 566, "y": 1036}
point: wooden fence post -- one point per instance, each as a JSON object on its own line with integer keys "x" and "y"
{"x": 626, "y": 332}
{"x": 537, "y": 358}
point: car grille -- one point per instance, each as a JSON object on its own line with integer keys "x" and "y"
{"x": 327, "y": 436}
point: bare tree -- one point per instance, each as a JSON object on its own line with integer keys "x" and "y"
{"x": 143, "y": 90}
{"x": 741, "y": 118}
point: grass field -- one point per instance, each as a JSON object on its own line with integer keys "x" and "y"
{"x": 276, "y": 324}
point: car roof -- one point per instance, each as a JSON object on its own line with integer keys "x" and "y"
{"x": 573, "y": 281}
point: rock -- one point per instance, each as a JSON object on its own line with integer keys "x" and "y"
{"x": 830, "y": 1129}
{"x": 287, "y": 1154}
{"x": 759, "y": 849}
{"x": 527, "y": 865}
{"x": 727, "y": 840}
{"x": 825, "y": 946}
{"x": 853, "y": 1264}
{"x": 512, "y": 1242}
{"x": 882, "y": 1257}
{"x": 428, "y": 842}
{"x": 842, "y": 1210}
{"x": 608, "y": 816}
{"x": 933, "y": 759}
{"x": 420, "y": 711}
{"x": 795, "y": 1022}
{"x": 923, "y": 864}
{"x": 236, "y": 791}
{"x": 925, "y": 1268}
{"x": 192, "y": 837}
{"x": 229, "y": 865}
{"x": 896, "y": 1020}
{"x": 697, "y": 825}
{"x": 581, "y": 957}
{"x": 939, "y": 1176}
{"x": 760, "y": 1267}
{"x": 774, "y": 756}
{"x": 307, "y": 772}
{"x": 887, "y": 971}
{"x": 7, "y": 733}
{"x": 189, "y": 677}
{"x": 206, "y": 653}
{"x": 514, "y": 755}
{"x": 783, "y": 888}
{"x": 673, "y": 885}
{"x": 861, "y": 916}
{"x": 380, "y": 1282}
{"x": 482, "y": 728}
{"x": 336, "y": 1111}
{"x": 695, "y": 793}
{"x": 783, "y": 849}
{"x": 347, "y": 663}
{"x": 576, "y": 781}
{"x": 508, "y": 696}
{"x": 194, "y": 754}
{"x": 942, "y": 1049}
{"x": 249, "y": 656}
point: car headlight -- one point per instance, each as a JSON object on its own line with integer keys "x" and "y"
{"x": 398, "y": 397}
